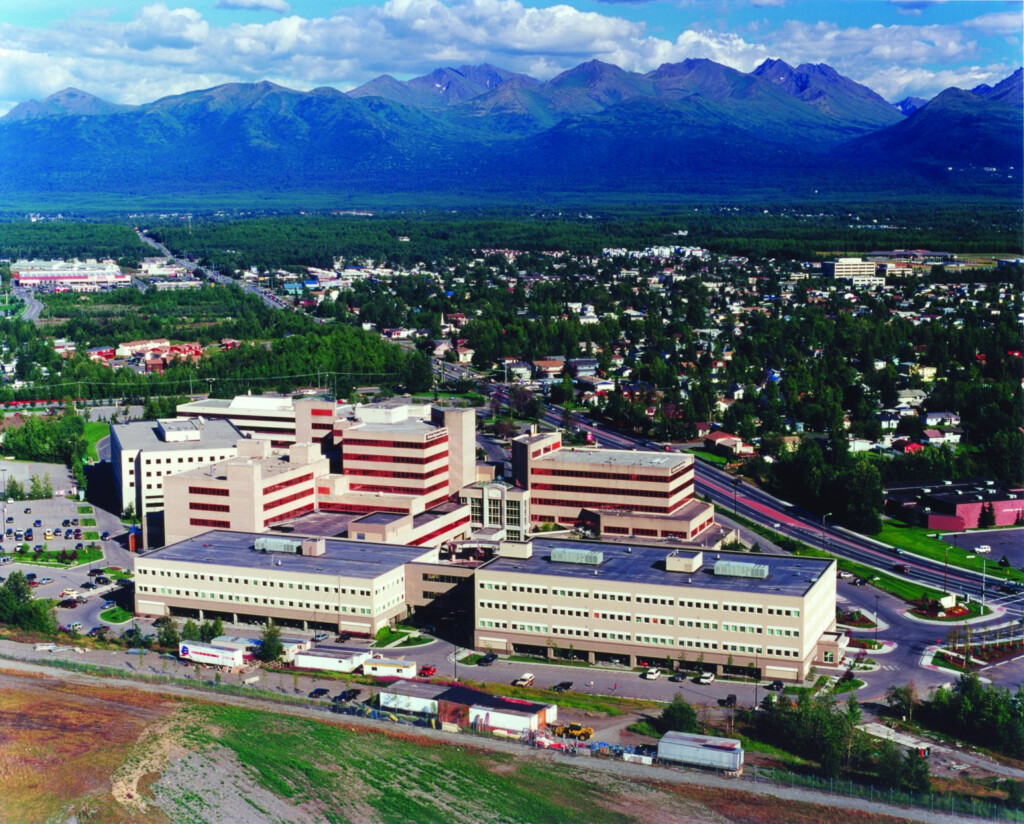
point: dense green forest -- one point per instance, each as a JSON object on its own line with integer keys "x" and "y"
{"x": 71, "y": 239}
{"x": 207, "y": 314}
{"x": 339, "y": 358}
{"x": 794, "y": 232}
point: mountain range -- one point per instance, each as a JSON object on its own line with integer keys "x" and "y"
{"x": 695, "y": 129}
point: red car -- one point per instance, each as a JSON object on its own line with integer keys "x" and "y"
{"x": 426, "y": 672}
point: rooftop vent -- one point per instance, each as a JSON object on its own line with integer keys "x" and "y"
{"x": 286, "y": 545}
{"x": 741, "y": 569}
{"x": 565, "y": 555}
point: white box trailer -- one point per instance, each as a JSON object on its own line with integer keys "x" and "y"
{"x": 701, "y": 750}
{"x": 389, "y": 667}
{"x": 237, "y": 642}
{"x": 331, "y": 660}
{"x": 492, "y": 720}
{"x": 210, "y": 655}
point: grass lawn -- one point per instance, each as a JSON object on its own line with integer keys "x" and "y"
{"x": 415, "y": 641}
{"x": 644, "y": 728}
{"x": 85, "y": 510}
{"x": 116, "y": 615}
{"x": 847, "y": 686}
{"x": 49, "y": 557}
{"x": 920, "y": 541}
{"x": 562, "y": 662}
{"x": 386, "y": 635}
{"x": 92, "y": 535}
{"x": 95, "y": 431}
{"x": 605, "y": 705}
{"x": 88, "y": 522}
{"x": 710, "y": 457}
{"x": 973, "y": 611}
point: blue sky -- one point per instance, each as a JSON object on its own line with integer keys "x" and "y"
{"x": 133, "y": 52}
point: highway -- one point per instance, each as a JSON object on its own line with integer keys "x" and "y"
{"x": 214, "y": 276}
{"x": 758, "y": 506}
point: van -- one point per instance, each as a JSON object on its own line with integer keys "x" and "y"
{"x": 706, "y": 678}
{"x": 524, "y": 680}
{"x": 74, "y": 626}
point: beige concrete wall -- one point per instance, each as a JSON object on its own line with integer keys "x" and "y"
{"x": 652, "y": 621}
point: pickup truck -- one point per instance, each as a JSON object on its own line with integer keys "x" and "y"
{"x": 524, "y": 680}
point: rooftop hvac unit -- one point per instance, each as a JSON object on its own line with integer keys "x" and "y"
{"x": 741, "y": 569}
{"x": 565, "y": 555}
{"x": 286, "y": 545}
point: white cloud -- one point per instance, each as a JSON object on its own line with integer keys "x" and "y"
{"x": 279, "y": 6}
{"x": 165, "y": 50}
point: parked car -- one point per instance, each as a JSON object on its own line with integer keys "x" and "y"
{"x": 347, "y": 695}
{"x": 68, "y": 603}
{"x": 706, "y": 678}
{"x": 28, "y": 510}
{"x": 102, "y": 580}
{"x": 319, "y": 692}
{"x": 729, "y": 700}
{"x": 318, "y": 637}
{"x": 487, "y": 660}
{"x": 562, "y": 686}
{"x": 10, "y": 519}
{"x": 677, "y": 677}
{"x": 37, "y": 523}
{"x": 79, "y": 547}
{"x": 427, "y": 671}
{"x": 94, "y": 572}
{"x": 88, "y": 585}
{"x": 777, "y": 686}
{"x": 74, "y": 522}
{"x": 652, "y": 674}
{"x": 344, "y": 636}
{"x": 45, "y": 580}
{"x": 984, "y": 549}
{"x": 524, "y": 680}
{"x": 105, "y": 536}
{"x": 65, "y": 523}
{"x": 30, "y": 576}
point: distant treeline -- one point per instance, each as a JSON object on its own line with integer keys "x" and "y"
{"x": 70, "y": 239}
{"x": 316, "y": 240}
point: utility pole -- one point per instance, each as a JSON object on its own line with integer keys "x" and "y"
{"x": 876, "y": 621}
{"x": 824, "y": 518}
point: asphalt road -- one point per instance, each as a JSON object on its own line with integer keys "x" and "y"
{"x": 33, "y": 307}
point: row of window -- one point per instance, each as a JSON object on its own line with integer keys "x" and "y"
{"x": 197, "y": 459}
{"x": 258, "y": 582}
{"x": 208, "y": 507}
{"x": 658, "y": 510}
{"x": 624, "y": 477}
{"x": 618, "y": 492}
{"x": 208, "y": 490}
{"x": 390, "y": 473}
{"x": 287, "y": 499}
{"x": 398, "y": 490}
{"x": 355, "y": 441}
{"x": 287, "y": 516}
{"x": 307, "y": 478}
{"x": 407, "y": 459}
{"x": 256, "y": 601}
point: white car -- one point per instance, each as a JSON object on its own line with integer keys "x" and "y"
{"x": 652, "y": 674}
{"x": 707, "y": 678}
{"x": 984, "y": 549}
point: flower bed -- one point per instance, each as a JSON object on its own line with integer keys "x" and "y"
{"x": 993, "y": 653}
{"x": 865, "y": 643}
{"x": 853, "y": 618}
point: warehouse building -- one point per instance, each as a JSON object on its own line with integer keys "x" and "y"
{"x": 629, "y": 604}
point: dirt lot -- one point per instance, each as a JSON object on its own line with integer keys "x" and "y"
{"x": 73, "y": 750}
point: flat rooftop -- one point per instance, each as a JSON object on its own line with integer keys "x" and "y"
{"x": 464, "y": 695}
{"x": 145, "y": 435}
{"x": 637, "y": 564}
{"x": 618, "y": 458}
{"x": 349, "y": 559}
{"x": 274, "y": 465}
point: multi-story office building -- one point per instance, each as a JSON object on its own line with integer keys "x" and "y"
{"x": 629, "y": 603}
{"x": 845, "y": 268}
{"x": 251, "y": 492}
{"x": 564, "y": 482}
{"x": 498, "y": 505}
{"x": 309, "y": 582}
{"x": 144, "y": 453}
{"x": 280, "y": 420}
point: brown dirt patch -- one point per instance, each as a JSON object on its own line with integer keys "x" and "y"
{"x": 61, "y": 742}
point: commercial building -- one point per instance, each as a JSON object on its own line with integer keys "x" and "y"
{"x": 565, "y": 481}
{"x": 144, "y": 453}
{"x": 631, "y": 603}
{"x": 466, "y": 707}
{"x": 280, "y": 420}
{"x": 249, "y": 492}
{"x": 64, "y": 275}
{"x": 307, "y": 582}
{"x": 956, "y": 505}
{"x": 845, "y": 268}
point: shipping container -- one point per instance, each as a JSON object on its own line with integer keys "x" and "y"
{"x": 701, "y": 751}
{"x": 390, "y": 667}
{"x": 209, "y": 654}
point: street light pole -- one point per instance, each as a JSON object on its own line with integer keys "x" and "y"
{"x": 945, "y": 574}
{"x": 735, "y": 488}
{"x": 876, "y": 621}
{"x": 824, "y": 518}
